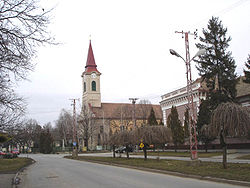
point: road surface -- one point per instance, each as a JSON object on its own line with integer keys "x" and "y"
{"x": 54, "y": 171}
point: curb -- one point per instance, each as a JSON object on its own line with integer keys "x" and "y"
{"x": 219, "y": 180}
{"x": 16, "y": 180}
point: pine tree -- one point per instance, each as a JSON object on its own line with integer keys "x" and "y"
{"x": 247, "y": 71}
{"x": 176, "y": 128}
{"x": 203, "y": 122}
{"x": 217, "y": 66}
{"x": 46, "y": 141}
{"x": 152, "y": 118}
{"x": 186, "y": 124}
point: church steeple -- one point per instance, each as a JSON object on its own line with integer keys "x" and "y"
{"x": 91, "y": 82}
{"x": 90, "y": 64}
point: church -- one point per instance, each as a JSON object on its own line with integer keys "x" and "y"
{"x": 109, "y": 117}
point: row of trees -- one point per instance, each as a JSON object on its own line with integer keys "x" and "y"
{"x": 156, "y": 135}
{"x": 31, "y": 135}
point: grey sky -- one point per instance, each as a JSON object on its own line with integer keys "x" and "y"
{"x": 131, "y": 41}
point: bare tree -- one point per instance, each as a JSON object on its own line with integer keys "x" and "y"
{"x": 64, "y": 124}
{"x": 23, "y": 27}
{"x": 151, "y": 135}
{"x": 229, "y": 119}
{"x": 114, "y": 141}
{"x": 27, "y": 135}
{"x": 144, "y": 108}
{"x": 125, "y": 121}
{"x": 87, "y": 126}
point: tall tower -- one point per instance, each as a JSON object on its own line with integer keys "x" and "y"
{"x": 91, "y": 82}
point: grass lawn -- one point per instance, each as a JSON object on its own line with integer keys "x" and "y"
{"x": 247, "y": 157}
{"x": 239, "y": 172}
{"x": 13, "y": 165}
{"x": 179, "y": 154}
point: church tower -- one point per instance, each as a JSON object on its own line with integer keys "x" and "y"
{"x": 91, "y": 82}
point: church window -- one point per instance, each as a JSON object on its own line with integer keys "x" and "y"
{"x": 93, "y": 86}
{"x": 84, "y": 87}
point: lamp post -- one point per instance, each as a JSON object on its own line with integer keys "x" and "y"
{"x": 133, "y": 115}
{"x": 192, "y": 118}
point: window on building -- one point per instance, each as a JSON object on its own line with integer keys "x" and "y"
{"x": 93, "y": 86}
{"x": 84, "y": 87}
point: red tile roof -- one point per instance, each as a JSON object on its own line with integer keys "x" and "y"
{"x": 124, "y": 111}
{"x": 90, "y": 64}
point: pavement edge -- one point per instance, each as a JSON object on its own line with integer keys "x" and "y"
{"x": 16, "y": 180}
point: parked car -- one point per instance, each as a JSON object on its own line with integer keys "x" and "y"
{"x": 15, "y": 151}
{"x": 123, "y": 149}
{"x": 2, "y": 154}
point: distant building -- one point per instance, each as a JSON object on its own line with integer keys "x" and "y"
{"x": 178, "y": 98}
{"x": 109, "y": 117}
{"x": 243, "y": 92}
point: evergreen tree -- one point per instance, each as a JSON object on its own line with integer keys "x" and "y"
{"x": 46, "y": 141}
{"x": 176, "y": 128}
{"x": 203, "y": 122}
{"x": 186, "y": 124}
{"x": 217, "y": 66}
{"x": 247, "y": 71}
{"x": 152, "y": 118}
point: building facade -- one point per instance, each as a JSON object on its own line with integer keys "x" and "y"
{"x": 178, "y": 98}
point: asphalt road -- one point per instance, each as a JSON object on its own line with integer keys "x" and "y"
{"x": 54, "y": 171}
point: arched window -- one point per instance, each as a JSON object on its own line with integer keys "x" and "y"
{"x": 84, "y": 87}
{"x": 93, "y": 86}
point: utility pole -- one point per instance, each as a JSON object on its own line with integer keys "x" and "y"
{"x": 74, "y": 152}
{"x": 192, "y": 115}
{"x": 133, "y": 114}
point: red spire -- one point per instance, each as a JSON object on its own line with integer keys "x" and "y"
{"x": 90, "y": 65}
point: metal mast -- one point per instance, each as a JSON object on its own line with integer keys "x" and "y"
{"x": 133, "y": 102}
{"x": 192, "y": 115}
{"x": 74, "y": 153}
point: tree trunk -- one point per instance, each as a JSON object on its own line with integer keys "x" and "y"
{"x": 224, "y": 157}
{"x": 113, "y": 147}
{"x": 127, "y": 152}
{"x": 206, "y": 145}
{"x": 224, "y": 148}
{"x": 145, "y": 153}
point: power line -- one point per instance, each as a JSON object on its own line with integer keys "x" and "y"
{"x": 223, "y": 11}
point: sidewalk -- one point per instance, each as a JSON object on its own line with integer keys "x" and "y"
{"x": 6, "y": 180}
{"x": 231, "y": 157}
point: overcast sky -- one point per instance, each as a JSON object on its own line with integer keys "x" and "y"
{"x": 131, "y": 41}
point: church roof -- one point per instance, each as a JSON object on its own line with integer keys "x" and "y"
{"x": 90, "y": 64}
{"x": 125, "y": 110}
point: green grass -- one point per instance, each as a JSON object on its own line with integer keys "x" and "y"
{"x": 180, "y": 154}
{"x": 247, "y": 157}
{"x": 240, "y": 172}
{"x": 13, "y": 165}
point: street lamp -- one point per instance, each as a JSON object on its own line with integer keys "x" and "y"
{"x": 192, "y": 129}
{"x": 199, "y": 53}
